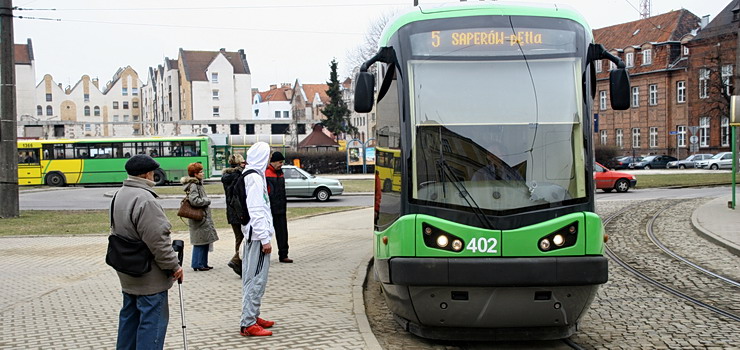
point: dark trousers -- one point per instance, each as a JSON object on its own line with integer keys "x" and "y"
{"x": 239, "y": 235}
{"x": 280, "y": 221}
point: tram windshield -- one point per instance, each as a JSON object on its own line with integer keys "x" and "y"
{"x": 497, "y": 134}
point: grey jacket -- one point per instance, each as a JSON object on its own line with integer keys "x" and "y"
{"x": 137, "y": 214}
{"x": 203, "y": 231}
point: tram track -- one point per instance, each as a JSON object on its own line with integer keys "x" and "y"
{"x": 675, "y": 291}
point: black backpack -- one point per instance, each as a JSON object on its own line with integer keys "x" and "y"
{"x": 236, "y": 197}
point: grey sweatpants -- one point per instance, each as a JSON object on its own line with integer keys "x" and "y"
{"x": 255, "y": 265}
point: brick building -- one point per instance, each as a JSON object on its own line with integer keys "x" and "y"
{"x": 653, "y": 50}
{"x": 712, "y": 78}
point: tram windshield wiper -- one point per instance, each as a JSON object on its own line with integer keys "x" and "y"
{"x": 462, "y": 190}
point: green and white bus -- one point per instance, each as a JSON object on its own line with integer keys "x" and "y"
{"x": 90, "y": 161}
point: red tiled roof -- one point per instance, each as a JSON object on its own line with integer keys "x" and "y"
{"x": 317, "y": 138}
{"x": 312, "y": 89}
{"x": 196, "y": 63}
{"x": 276, "y": 94}
{"x": 669, "y": 26}
{"x": 21, "y": 54}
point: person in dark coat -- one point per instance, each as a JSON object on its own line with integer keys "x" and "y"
{"x": 229, "y": 175}
{"x": 278, "y": 204}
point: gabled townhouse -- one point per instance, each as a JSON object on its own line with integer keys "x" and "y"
{"x": 653, "y": 51}
{"x": 215, "y": 92}
{"x": 25, "y": 82}
{"x": 161, "y": 97}
{"x": 712, "y": 79}
{"x": 364, "y": 122}
{"x": 83, "y": 110}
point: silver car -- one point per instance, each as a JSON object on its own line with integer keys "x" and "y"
{"x": 299, "y": 183}
{"x": 689, "y": 162}
{"x": 722, "y": 160}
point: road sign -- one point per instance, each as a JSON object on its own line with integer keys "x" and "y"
{"x": 693, "y": 129}
{"x": 673, "y": 133}
{"x": 694, "y": 139}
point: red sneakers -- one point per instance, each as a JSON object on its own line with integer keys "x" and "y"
{"x": 265, "y": 323}
{"x": 255, "y": 330}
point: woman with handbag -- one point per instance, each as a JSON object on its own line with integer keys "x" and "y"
{"x": 202, "y": 232}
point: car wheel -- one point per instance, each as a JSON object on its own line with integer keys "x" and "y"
{"x": 682, "y": 166}
{"x": 387, "y": 185}
{"x": 647, "y": 167}
{"x": 622, "y": 185}
{"x": 714, "y": 167}
{"x": 607, "y": 190}
{"x": 55, "y": 179}
{"x": 159, "y": 177}
{"x": 322, "y": 195}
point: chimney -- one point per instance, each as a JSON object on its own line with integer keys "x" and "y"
{"x": 222, "y": 50}
{"x": 704, "y": 21}
{"x": 95, "y": 82}
{"x": 285, "y": 85}
{"x": 273, "y": 86}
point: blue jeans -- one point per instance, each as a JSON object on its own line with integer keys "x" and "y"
{"x": 200, "y": 256}
{"x": 143, "y": 321}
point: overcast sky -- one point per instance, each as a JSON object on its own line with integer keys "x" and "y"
{"x": 283, "y": 39}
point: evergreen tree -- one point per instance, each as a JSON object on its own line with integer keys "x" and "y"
{"x": 336, "y": 111}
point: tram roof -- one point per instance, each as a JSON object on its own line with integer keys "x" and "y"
{"x": 465, "y": 9}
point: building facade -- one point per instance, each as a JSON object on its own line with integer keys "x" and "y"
{"x": 658, "y": 65}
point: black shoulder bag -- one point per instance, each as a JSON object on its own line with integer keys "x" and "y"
{"x": 128, "y": 256}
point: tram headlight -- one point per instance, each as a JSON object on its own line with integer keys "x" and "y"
{"x": 457, "y": 245}
{"x": 545, "y": 244}
{"x": 558, "y": 240}
{"x": 442, "y": 241}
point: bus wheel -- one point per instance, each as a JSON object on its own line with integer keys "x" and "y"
{"x": 387, "y": 185}
{"x": 159, "y": 177}
{"x": 55, "y": 179}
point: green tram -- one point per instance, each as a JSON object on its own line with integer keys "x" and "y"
{"x": 492, "y": 232}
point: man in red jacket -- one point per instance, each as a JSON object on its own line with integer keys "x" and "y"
{"x": 278, "y": 204}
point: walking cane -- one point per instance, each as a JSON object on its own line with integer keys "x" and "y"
{"x": 179, "y": 246}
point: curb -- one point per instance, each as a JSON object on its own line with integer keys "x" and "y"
{"x": 711, "y": 236}
{"x": 358, "y": 302}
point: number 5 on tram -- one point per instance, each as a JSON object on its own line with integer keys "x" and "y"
{"x": 487, "y": 109}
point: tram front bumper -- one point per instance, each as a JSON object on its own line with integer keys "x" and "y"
{"x": 493, "y": 272}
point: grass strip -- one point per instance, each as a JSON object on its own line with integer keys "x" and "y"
{"x": 81, "y": 222}
{"x": 217, "y": 188}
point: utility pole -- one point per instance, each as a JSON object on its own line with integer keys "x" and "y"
{"x": 8, "y": 146}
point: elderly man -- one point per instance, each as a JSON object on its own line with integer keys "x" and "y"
{"x": 137, "y": 215}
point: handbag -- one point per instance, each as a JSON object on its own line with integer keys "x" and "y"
{"x": 188, "y": 211}
{"x": 125, "y": 255}
{"x": 128, "y": 256}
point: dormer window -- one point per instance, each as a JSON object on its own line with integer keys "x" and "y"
{"x": 598, "y": 66}
{"x": 647, "y": 56}
{"x": 685, "y": 50}
{"x": 630, "y": 57}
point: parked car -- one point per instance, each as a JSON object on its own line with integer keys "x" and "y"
{"x": 689, "y": 162}
{"x": 653, "y": 162}
{"x": 299, "y": 183}
{"x": 608, "y": 180}
{"x": 722, "y": 160}
{"x": 622, "y": 162}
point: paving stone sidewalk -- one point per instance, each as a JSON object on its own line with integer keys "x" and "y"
{"x": 58, "y": 293}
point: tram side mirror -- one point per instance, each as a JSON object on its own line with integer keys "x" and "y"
{"x": 364, "y": 92}
{"x": 619, "y": 88}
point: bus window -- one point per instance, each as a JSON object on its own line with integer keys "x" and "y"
{"x": 81, "y": 151}
{"x": 101, "y": 151}
{"x": 129, "y": 149}
{"x": 190, "y": 148}
{"x": 28, "y": 156}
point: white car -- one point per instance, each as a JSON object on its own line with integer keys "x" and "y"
{"x": 299, "y": 183}
{"x": 722, "y": 160}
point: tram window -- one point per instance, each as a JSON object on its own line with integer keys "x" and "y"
{"x": 389, "y": 136}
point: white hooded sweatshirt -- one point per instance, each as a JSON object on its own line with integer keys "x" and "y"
{"x": 258, "y": 202}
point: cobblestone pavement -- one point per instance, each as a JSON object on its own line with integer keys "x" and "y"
{"x": 627, "y": 312}
{"x": 59, "y": 294}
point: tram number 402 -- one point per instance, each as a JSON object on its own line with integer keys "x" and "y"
{"x": 483, "y": 245}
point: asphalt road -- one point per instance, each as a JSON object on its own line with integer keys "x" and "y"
{"x": 82, "y": 198}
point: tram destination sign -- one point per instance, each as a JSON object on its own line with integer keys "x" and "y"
{"x": 493, "y": 42}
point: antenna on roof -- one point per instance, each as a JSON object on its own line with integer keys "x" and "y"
{"x": 645, "y": 9}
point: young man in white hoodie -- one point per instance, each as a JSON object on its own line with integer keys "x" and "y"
{"x": 256, "y": 245}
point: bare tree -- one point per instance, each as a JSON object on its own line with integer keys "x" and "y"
{"x": 369, "y": 47}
